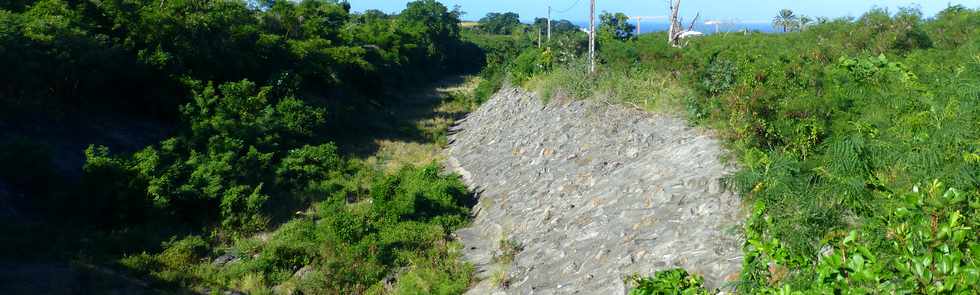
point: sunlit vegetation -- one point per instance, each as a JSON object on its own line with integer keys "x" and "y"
{"x": 856, "y": 137}
{"x": 857, "y": 141}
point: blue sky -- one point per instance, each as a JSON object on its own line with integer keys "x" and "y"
{"x": 741, "y": 10}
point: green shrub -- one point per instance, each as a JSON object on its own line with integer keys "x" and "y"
{"x": 571, "y": 80}
{"x": 183, "y": 253}
{"x": 529, "y": 63}
{"x": 305, "y": 167}
{"x": 827, "y": 125}
{"x": 719, "y": 76}
{"x": 243, "y": 156}
{"x": 112, "y": 191}
{"x": 674, "y": 281}
{"x": 348, "y": 248}
{"x": 243, "y": 149}
{"x": 491, "y": 83}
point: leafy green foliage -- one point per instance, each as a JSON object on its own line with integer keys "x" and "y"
{"x": 529, "y": 63}
{"x": 240, "y": 139}
{"x": 787, "y": 20}
{"x": 558, "y": 27}
{"x": 245, "y": 145}
{"x": 830, "y": 125}
{"x": 719, "y": 76}
{"x": 248, "y": 86}
{"x": 501, "y": 23}
{"x": 139, "y": 55}
{"x": 348, "y": 247}
{"x": 614, "y": 26}
{"x": 931, "y": 248}
{"x": 514, "y": 58}
{"x": 112, "y": 190}
{"x": 674, "y": 281}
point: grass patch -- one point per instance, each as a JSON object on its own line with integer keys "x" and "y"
{"x": 639, "y": 87}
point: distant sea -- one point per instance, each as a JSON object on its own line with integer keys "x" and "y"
{"x": 650, "y": 27}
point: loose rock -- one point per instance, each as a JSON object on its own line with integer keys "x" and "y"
{"x": 224, "y": 259}
{"x": 593, "y": 193}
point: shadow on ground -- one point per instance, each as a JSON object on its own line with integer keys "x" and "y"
{"x": 402, "y": 117}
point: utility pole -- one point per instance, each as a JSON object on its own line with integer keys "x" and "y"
{"x": 549, "y": 24}
{"x": 539, "y": 37}
{"x": 638, "y": 31}
{"x": 592, "y": 36}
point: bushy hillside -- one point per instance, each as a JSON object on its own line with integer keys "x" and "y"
{"x": 258, "y": 92}
{"x": 857, "y": 140}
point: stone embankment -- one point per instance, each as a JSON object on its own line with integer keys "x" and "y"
{"x": 575, "y": 196}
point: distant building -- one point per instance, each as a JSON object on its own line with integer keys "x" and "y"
{"x": 688, "y": 34}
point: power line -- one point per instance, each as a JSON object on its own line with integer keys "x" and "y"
{"x": 569, "y": 8}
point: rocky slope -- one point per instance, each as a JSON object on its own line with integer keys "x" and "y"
{"x": 575, "y": 196}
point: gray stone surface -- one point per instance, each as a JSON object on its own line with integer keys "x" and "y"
{"x": 592, "y": 192}
{"x": 224, "y": 259}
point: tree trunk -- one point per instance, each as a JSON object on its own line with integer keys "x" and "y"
{"x": 675, "y": 25}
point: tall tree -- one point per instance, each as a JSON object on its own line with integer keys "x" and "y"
{"x": 805, "y": 21}
{"x": 615, "y": 26}
{"x": 500, "y": 23}
{"x": 786, "y": 19}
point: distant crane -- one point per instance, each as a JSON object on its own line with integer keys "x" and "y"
{"x": 641, "y": 18}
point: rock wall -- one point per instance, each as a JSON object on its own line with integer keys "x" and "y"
{"x": 591, "y": 193}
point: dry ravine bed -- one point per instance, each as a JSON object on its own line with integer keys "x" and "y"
{"x": 575, "y": 196}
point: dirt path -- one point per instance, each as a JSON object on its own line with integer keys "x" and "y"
{"x": 412, "y": 129}
{"x": 578, "y": 195}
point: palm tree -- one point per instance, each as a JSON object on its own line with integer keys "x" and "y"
{"x": 786, "y": 19}
{"x": 805, "y": 21}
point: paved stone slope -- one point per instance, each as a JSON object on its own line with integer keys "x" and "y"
{"x": 592, "y": 193}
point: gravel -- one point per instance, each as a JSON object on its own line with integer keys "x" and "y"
{"x": 592, "y": 193}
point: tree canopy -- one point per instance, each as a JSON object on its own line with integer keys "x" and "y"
{"x": 500, "y": 23}
{"x": 557, "y": 27}
{"x": 615, "y": 26}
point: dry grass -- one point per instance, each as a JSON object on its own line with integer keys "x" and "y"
{"x": 454, "y": 101}
{"x": 393, "y": 154}
{"x": 644, "y": 89}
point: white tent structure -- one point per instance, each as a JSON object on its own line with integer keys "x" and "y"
{"x": 689, "y": 34}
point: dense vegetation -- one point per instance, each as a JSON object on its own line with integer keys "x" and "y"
{"x": 517, "y": 53}
{"x": 259, "y": 91}
{"x": 857, "y": 139}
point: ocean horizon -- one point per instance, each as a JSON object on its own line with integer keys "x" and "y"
{"x": 652, "y": 27}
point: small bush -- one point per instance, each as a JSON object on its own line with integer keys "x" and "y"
{"x": 674, "y": 281}
{"x": 507, "y": 250}
{"x": 719, "y": 76}
{"x": 184, "y": 253}
{"x": 531, "y": 62}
